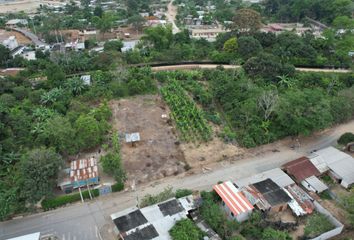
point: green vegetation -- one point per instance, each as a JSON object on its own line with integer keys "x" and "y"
{"x": 166, "y": 194}
{"x": 189, "y": 119}
{"x": 317, "y": 224}
{"x": 258, "y": 109}
{"x": 149, "y": 199}
{"x": 346, "y": 138}
{"x": 183, "y": 193}
{"x": 348, "y": 204}
{"x": 254, "y": 228}
{"x": 112, "y": 162}
{"x": 215, "y": 217}
{"x": 55, "y": 202}
{"x": 186, "y": 230}
{"x": 52, "y": 203}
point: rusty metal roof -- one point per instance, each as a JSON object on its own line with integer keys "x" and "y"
{"x": 301, "y": 169}
{"x": 83, "y": 169}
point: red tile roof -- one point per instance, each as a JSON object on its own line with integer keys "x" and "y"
{"x": 301, "y": 169}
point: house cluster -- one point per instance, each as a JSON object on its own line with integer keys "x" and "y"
{"x": 297, "y": 28}
{"x": 18, "y": 50}
{"x": 157, "y": 18}
{"x": 292, "y": 187}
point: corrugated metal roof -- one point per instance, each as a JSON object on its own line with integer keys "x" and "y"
{"x": 316, "y": 183}
{"x": 154, "y": 219}
{"x": 233, "y": 198}
{"x": 33, "y": 236}
{"x": 83, "y": 169}
{"x": 132, "y": 137}
{"x": 339, "y": 162}
{"x": 276, "y": 175}
{"x": 301, "y": 168}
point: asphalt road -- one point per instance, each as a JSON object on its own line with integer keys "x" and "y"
{"x": 91, "y": 220}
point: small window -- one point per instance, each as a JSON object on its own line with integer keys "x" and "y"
{"x": 232, "y": 215}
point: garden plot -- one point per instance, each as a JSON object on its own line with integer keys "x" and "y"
{"x": 158, "y": 154}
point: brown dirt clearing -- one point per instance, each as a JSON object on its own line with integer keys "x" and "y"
{"x": 157, "y": 155}
{"x": 21, "y": 39}
{"x": 160, "y": 154}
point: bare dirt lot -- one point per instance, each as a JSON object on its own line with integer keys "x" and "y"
{"x": 21, "y": 39}
{"x": 160, "y": 154}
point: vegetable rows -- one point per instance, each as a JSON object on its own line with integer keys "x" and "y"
{"x": 189, "y": 119}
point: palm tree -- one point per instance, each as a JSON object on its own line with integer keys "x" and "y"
{"x": 285, "y": 81}
{"x": 75, "y": 85}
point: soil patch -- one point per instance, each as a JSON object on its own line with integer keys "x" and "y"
{"x": 21, "y": 39}
{"x": 158, "y": 154}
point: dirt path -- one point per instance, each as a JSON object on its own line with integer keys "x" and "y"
{"x": 171, "y": 16}
{"x": 213, "y": 66}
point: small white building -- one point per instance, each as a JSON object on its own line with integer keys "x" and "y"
{"x": 234, "y": 202}
{"x": 11, "y": 43}
{"x": 16, "y": 22}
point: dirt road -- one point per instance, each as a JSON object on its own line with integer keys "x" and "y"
{"x": 213, "y": 66}
{"x": 171, "y": 16}
{"x": 82, "y": 221}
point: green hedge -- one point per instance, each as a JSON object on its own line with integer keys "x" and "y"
{"x": 118, "y": 187}
{"x": 52, "y": 203}
{"x": 183, "y": 193}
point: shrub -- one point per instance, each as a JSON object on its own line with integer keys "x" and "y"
{"x": 183, "y": 192}
{"x": 185, "y": 229}
{"x": 117, "y": 187}
{"x": 52, "y": 203}
{"x": 153, "y": 199}
{"x": 346, "y": 138}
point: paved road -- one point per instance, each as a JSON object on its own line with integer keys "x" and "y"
{"x": 85, "y": 221}
{"x": 212, "y": 66}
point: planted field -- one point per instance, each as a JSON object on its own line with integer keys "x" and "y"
{"x": 188, "y": 117}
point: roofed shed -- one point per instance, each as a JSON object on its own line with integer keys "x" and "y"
{"x": 301, "y": 169}
{"x": 235, "y": 203}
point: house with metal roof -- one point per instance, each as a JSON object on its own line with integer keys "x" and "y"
{"x": 276, "y": 175}
{"x": 152, "y": 222}
{"x": 338, "y": 164}
{"x": 234, "y": 202}
{"x": 268, "y": 196}
{"x": 84, "y": 172}
{"x": 304, "y": 172}
{"x": 81, "y": 173}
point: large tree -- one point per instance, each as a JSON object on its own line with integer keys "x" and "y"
{"x": 247, "y": 20}
{"x": 39, "y": 168}
{"x": 303, "y": 111}
{"x": 58, "y": 133}
{"x": 248, "y": 47}
{"x": 4, "y": 55}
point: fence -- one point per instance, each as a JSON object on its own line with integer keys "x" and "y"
{"x": 338, "y": 225}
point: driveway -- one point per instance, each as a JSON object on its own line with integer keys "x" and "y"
{"x": 91, "y": 220}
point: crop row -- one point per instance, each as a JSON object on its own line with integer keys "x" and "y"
{"x": 188, "y": 117}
